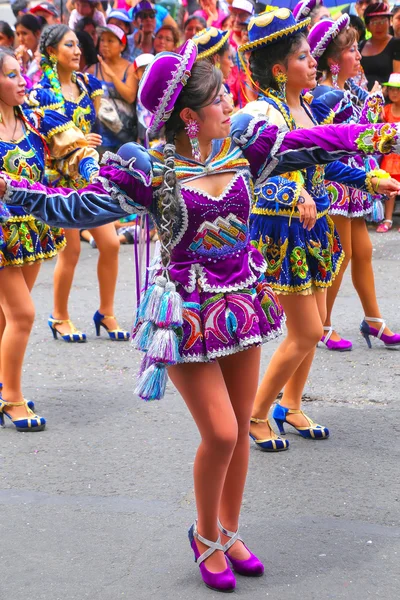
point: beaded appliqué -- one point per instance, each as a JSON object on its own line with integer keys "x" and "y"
{"x": 220, "y": 237}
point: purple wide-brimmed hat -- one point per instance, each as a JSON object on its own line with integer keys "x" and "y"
{"x": 163, "y": 81}
{"x": 323, "y": 32}
{"x": 304, "y": 8}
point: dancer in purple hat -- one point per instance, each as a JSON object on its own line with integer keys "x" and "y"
{"x": 208, "y": 308}
{"x": 334, "y": 45}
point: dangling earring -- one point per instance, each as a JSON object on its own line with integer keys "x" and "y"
{"x": 192, "y": 129}
{"x": 281, "y": 80}
{"x": 1, "y": 118}
{"x": 335, "y": 70}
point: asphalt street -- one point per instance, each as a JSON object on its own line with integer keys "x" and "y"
{"x": 97, "y": 506}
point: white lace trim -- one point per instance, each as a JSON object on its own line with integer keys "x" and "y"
{"x": 350, "y": 215}
{"x": 246, "y": 136}
{"x": 330, "y": 35}
{"x": 123, "y": 199}
{"x": 260, "y": 269}
{"x": 184, "y": 218}
{"x": 244, "y": 344}
{"x": 117, "y": 159}
{"x": 206, "y": 287}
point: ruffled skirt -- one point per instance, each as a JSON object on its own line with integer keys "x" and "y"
{"x": 219, "y": 324}
{"x": 299, "y": 261}
{"x": 348, "y": 202}
{"x": 25, "y": 240}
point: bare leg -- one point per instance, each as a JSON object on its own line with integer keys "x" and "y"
{"x": 241, "y": 372}
{"x": 63, "y": 277}
{"x": 304, "y": 330}
{"x": 19, "y": 313}
{"x": 204, "y": 391}
{"x": 107, "y": 242}
{"x": 294, "y": 388}
{"x": 362, "y": 272}
{"x": 344, "y": 229}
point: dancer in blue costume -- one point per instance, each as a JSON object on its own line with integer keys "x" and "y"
{"x": 334, "y": 45}
{"x": 76, "y": 95}
{"x": 26, "y": 138}
{"x": 290, "y": 223}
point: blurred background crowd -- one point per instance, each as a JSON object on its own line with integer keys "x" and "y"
{"x": 118, "y": 39}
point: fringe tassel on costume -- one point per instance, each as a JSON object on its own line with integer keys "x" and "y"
{"x": 164, "y": 347}
{"x": 152, "y": 383}
{"x": 170, "y": 308}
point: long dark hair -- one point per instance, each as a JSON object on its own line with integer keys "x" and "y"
{"x": 6, "y": 30}
{"x": 263, "y": 59}
{"x": 50, "y": 38}
{"x": 202, "y": 87}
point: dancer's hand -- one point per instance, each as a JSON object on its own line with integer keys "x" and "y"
{"x": 2, "y": 187}
{"x": 388, "y": 187}
{"x": 307, "y": 209}
{"x": 93, "y": 140}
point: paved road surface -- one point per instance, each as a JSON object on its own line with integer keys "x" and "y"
{"x": 97, "y": 506}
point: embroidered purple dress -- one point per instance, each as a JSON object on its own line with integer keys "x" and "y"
{"x": 227, "y": 304}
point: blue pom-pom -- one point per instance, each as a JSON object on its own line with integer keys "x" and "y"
{"x": 152, "y": 382}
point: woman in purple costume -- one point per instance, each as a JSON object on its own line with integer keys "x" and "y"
{"x": 209, "y": 299}
{"x": 334, "y": 45}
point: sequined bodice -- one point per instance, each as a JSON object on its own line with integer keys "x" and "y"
{"x": 217, "y": 228}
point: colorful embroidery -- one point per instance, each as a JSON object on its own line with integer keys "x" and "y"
{"x": 220, "y": 237}
{"x": 79, "y": 117}
{"x": 15, "y": 162}
{"x": 298, "y": 262}
{"x": 273, "y": 253}
{"x": 191, "y": 315}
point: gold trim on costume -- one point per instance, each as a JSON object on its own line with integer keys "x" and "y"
{"x": 274, "y": 36}
{"x": 214, "y": 49}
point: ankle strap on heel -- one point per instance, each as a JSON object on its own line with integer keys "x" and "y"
{"x": 212, "y": 546}
{"x": 376, "y": 320}
{"x": 255, "y": 420}
{"x": 234, "y": 535}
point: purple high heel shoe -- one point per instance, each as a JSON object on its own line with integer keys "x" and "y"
{"x": 220, "y": 582}
{"x": 390, "y": 341}
{"x": 250, "y": 567}
{"x": 340, "y": 345}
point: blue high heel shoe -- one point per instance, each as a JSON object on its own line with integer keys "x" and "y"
{"x": 118, "y": 335}
{"x": 31, "y": 423}
{"x": 30, "y": 404}
{"x": 270, "y": 444}
{"x": 313, "y": 431}
{"x": 75, "y": 335}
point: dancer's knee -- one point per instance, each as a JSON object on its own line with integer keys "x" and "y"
{"x": 222, "y": 439}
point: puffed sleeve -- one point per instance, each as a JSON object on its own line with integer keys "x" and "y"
{"x": 69, "y": 151}
{"x": 123, "y": 186}
{"x": 271, "y": 150}
{"x": 93, "y": 85}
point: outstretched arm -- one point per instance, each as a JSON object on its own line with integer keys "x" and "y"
{"x": 119, "y": 189}
{"x": 271, "y": 150}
